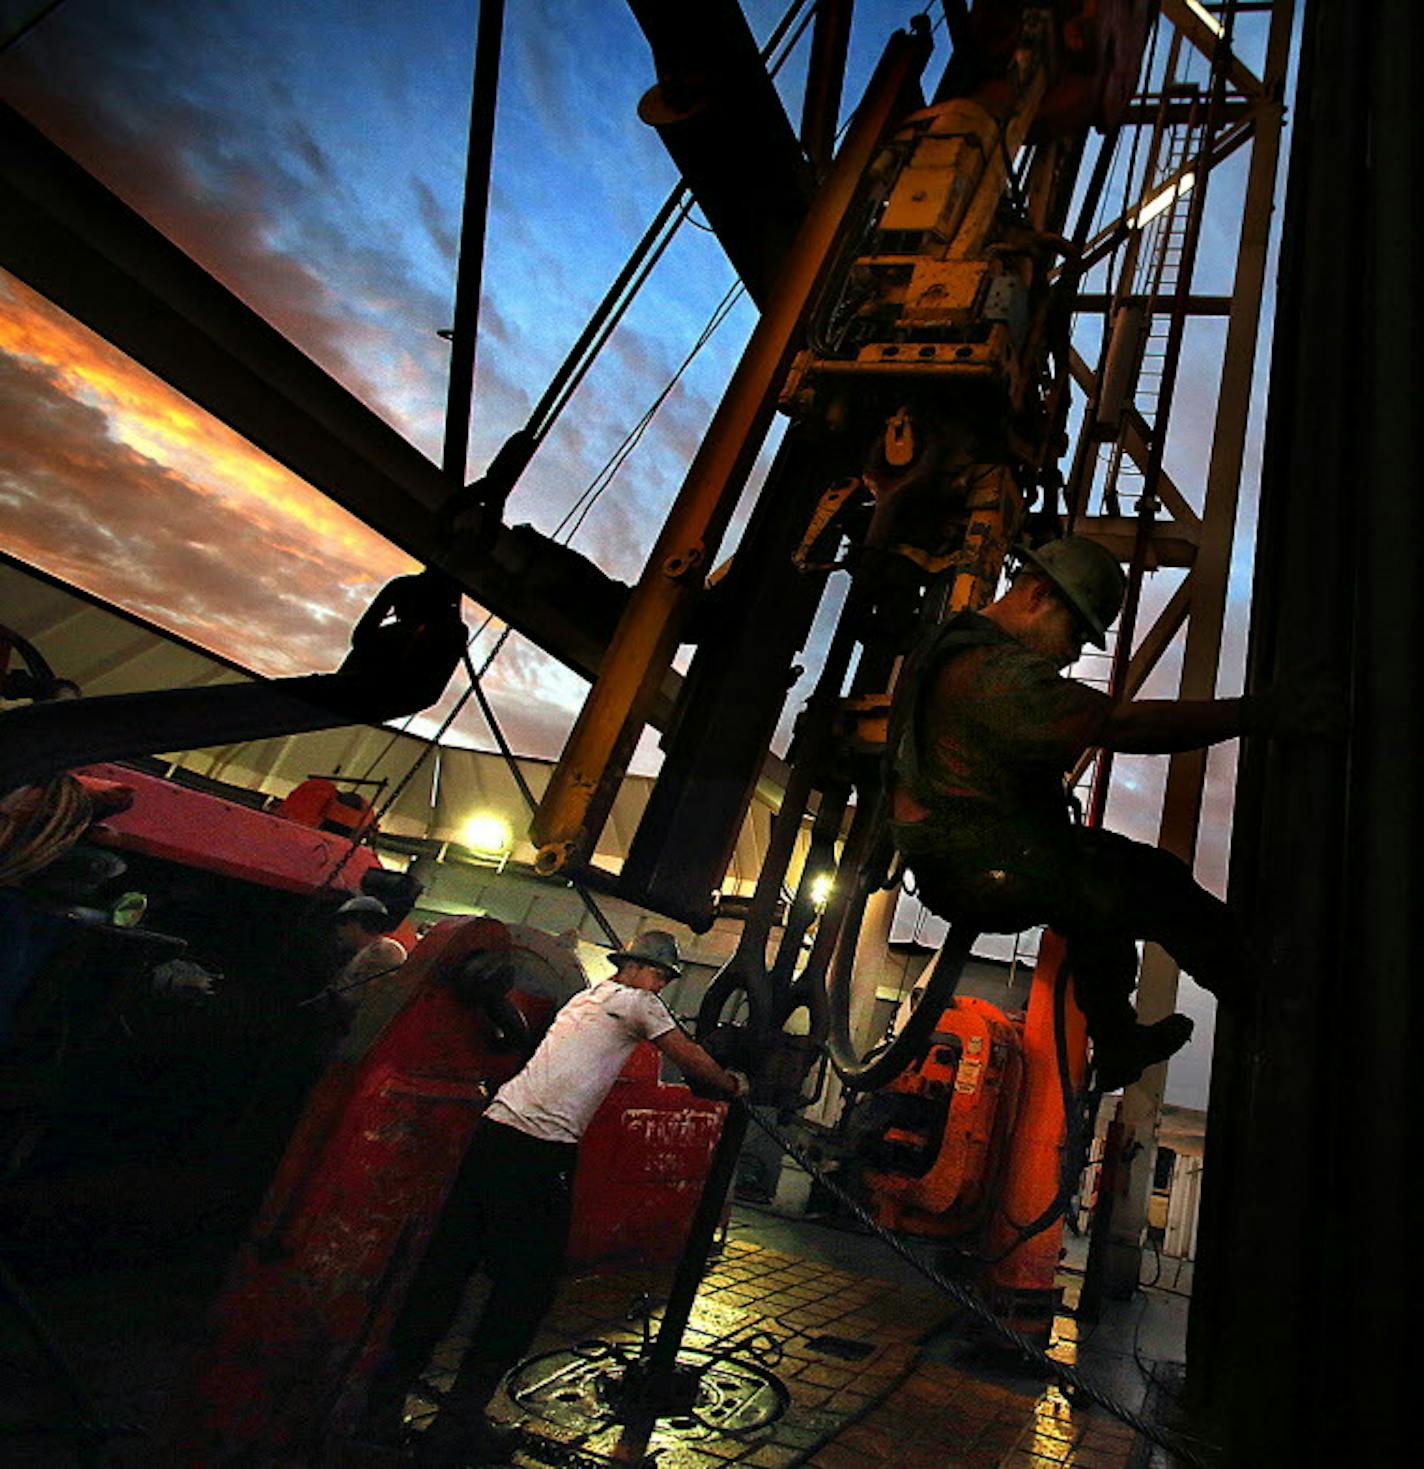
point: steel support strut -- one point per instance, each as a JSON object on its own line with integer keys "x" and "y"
{"x": 1205, "y": 593}
{"x": 470, "y": 271}
{"x": 583, "y": 785}
{"x": 1315, "y": 1101}
{"x": 652, "y": 1387}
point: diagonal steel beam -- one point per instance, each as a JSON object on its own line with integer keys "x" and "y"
{"x": 1149, "y": 652}
{"x": 80, "y": 246}
{"x": 1110, "y": 235}
{"x": 719, "y": 116}
{"x": 1135, "y": 443}
{"x": 1193, "y": 27}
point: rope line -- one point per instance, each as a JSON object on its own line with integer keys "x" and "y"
{"x": 1068, "y": 1377}
{"x": 511, "y": 760}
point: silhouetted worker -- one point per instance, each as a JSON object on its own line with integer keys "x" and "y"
{"x": 367, "y": 989}
{"x": 509, "y": 1208}
{"x": 981, "y": 816}
{"x": 412, "y": 630}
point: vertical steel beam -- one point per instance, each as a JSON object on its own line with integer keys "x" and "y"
{"x": 1302, "y": 1323}
{"x": 1207, "y": 580}
{"x": 830, "y": 42}
{"x": 583, "y": 785}
{"x": 470, "y": 270}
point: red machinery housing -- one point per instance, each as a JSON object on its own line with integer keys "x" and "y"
{"x": 300, "y": 845}
{"x": 309, "y": 1303}
{"x": 182, "y": 1103}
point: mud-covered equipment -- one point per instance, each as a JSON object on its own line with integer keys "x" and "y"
{"x": 1087, "y": 575}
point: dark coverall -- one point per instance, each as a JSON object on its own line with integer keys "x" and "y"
{"x": 508, "y": 1211}
{"x": 981, "y": 819}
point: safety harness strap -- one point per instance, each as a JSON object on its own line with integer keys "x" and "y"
{"x": 908, "y": 760}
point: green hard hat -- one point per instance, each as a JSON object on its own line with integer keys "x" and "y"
{"x": 654, "y": 946}
{"x": 1088, "y": 576}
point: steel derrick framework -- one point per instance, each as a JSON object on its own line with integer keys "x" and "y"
{"x": 75, "y": 243}
{"x": 1117, "y": 491}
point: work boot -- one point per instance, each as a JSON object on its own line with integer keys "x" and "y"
{"x": 478, "y": 1440}
{"x": 1120, "y": 1061}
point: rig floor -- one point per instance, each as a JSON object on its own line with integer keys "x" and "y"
{"x": 872, "y": 1366}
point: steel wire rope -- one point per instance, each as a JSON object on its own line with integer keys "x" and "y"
{"x": 595, "y": 336}
{"x": 636, "y": 270}
{"x": 328, "y": 880}
{"x": 606, "y": 317}
{"x": 409, "y": 719}
{"x": 578, "y": 512}
{"x": 580, "y": 509}
{"x": 594, "y": 490}
{"x": 512, "y": 761}
{"x": 1068, "y": 1376}
{"x": 762, "y": 1342}
{"x": 569, "y": 377}
{"x": 552, "y": 404}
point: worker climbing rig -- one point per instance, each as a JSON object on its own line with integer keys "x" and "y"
{"x": 916, "y": 332}
{"x": 919, "y": 341}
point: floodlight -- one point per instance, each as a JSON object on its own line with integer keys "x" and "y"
{"x": 487, "y": 835}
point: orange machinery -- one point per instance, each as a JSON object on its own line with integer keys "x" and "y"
{"x": 977, "y": 1135}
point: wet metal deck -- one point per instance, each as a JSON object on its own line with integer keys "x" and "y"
{"x": 922, "y": 1395}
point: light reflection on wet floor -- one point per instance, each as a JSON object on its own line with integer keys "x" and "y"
{"x": 917, "y": 1398}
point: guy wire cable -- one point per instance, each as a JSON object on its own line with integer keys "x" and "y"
{"x": 597, "y": 913}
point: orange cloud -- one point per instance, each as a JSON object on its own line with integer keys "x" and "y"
{"x": 151, "y": 418}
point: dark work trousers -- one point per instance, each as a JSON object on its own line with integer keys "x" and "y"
{"x": 508, "y": 1212}
{"x": 1101, "y": 891}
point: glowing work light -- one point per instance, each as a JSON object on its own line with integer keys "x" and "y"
{"x": 1206, "y": 17}
{"x": 488, "y": 836}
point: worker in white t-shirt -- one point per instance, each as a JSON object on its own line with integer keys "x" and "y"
{"x": 509, "y": 1208}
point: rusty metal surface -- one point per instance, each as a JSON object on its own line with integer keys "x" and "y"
{"x": 642, "y": 1163}
{"x": 311, "y": 1295}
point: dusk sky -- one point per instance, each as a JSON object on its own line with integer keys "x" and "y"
{"x": 311, "y": 155}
